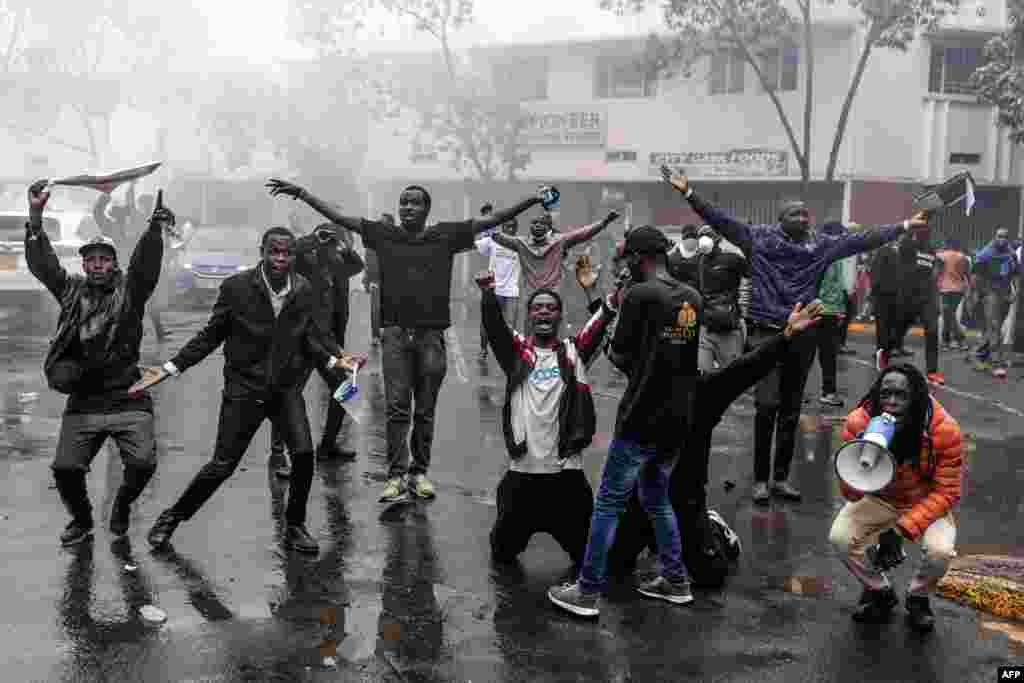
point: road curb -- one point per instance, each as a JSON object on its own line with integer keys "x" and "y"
{"x": 990, "y": 583}
{"x": 869, "y": 328}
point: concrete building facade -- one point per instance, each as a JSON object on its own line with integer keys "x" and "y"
{"x": 600, "y": 127}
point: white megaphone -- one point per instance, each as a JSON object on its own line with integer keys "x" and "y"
{"x": 866, "y": 464}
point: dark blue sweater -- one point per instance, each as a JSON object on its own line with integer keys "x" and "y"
{"x": 785, "y": 272}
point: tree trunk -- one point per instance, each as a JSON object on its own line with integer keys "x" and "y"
{"x": 805, "y": 178}
{"x": 748, "y": 57}
{"x": 844, "y": 114}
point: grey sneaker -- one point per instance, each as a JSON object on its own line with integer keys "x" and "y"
{"x": 676, "y": 592}
{"x": 761, "y": 495}
{"x": 570, "y": 598}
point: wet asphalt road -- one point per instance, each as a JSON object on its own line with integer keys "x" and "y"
{"x": 407, "y": 593}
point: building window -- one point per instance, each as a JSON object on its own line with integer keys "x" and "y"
{"x": 727, "y": 71}
{"x": 780, "y": 66}
{"x": 951, "y": 67}
{"x": 965, "y": 158}
{"x": 524, "y": 79}
{"x": 612, "y": 156}
{"x": 624, "y": 77}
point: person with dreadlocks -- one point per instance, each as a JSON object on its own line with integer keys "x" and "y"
{"x": 917, "y": 506}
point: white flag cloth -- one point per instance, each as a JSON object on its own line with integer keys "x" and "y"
{"x": 109, "y": 182}
{"x": 969, "y": 194}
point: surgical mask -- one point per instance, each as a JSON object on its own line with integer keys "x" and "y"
{"x": 705, "y": 244}
{"x": 690, "y": 245}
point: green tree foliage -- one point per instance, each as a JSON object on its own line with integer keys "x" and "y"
{"x": 1000, "y": 81}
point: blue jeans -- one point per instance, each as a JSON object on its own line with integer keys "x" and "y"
{"x": 630, "y": 464}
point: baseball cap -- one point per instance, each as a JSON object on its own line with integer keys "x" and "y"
{"x": 98, "y": 241}
{"x": 646, "y": 240}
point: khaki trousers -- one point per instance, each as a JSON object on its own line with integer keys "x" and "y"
{"x": 858, "y": 525}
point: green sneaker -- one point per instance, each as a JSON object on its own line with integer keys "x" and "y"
{"x": 394, "y": 491}
{"x": 421, "y": 486}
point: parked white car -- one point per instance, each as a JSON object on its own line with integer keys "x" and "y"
{"x": 20, "y": 291}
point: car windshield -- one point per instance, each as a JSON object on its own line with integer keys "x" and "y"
{"x": 12, "y": 228}
{"x": 234, "y": 240}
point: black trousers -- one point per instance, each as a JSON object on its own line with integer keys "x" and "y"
{"x": 415, "y": 362}
{"x": 778, "y": 400}
{"x": 894, "y": 318}
{"x": 829, "y": 335}
{"x": 239, "y": 420}
{"x": 950, "y": 327}
{"x": 335, "y": 412}
{"x": 851, "y": 313}
{"x": 559, "y": 504}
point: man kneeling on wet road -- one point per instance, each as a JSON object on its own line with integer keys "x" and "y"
{"x": 547, "y": 421}
{"x": 94, "y": 359}
{"x": 267, "y": 318}
{"x": 916, "y": 506}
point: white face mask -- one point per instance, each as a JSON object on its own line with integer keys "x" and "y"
{"x": 705, "y": 245}
{"x": 690, "y": 246}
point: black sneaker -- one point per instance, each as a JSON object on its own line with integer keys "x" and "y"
{"x": 332, "y": 452}
{"x": 786, "y": 491}
{"x": 76, "y": 532}
{"x": 919, "y": 613}
{"x": 875, "y": 607}
{"x": 298, "y": 538}
{"x": 831, "y": 400}
{"x": 160, "y": 535}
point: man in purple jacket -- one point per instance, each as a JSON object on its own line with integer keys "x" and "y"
{"x": 787, "y": 261}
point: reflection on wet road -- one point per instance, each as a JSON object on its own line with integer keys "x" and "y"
{"x": 407, "y": 592}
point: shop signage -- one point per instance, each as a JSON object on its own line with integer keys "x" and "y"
{"x": 733, "y": 163}
{"x": 564, "y": 126}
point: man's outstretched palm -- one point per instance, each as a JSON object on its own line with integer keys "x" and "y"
{"x": 676, "y": 180}
{"x": 279, "y": 187}
{"x": 804, "y": 317}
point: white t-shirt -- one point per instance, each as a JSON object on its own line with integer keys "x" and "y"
{"x": 504, "y": 263}
{"x": 535, "y": 417}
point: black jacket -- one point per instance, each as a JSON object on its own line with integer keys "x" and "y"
{"x": 263, "y": 355}
{"x": 905, "y": 272}
{"x": 329, "y": 281}
{"x": 717, "y": 276}
{"x": 115, "y": 373}
{"x": 577, "y": 419}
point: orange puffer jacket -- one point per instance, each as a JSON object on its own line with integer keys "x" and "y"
{"x": 921, "y": 499}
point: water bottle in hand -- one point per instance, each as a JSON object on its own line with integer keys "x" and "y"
{"x": 349, "y": 396}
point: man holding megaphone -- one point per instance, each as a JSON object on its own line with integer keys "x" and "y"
{"x": 901, "y": 472}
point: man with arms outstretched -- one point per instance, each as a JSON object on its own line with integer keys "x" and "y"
{"x": 787, "y": 261}
{"x": 415, "y": 263}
